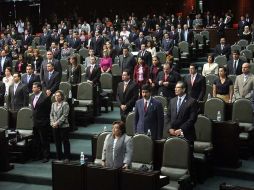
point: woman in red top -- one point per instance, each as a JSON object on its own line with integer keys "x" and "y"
{"x": 106, "y": 62}
{"x": 20, "y": 66}
{"x": 141, "y": 73}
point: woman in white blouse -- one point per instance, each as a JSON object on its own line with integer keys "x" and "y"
{"x": 7, "y": 80}
{"x": 210, "y": 67}
{"x": 151, "y": 48}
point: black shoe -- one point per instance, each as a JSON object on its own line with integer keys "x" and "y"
{"x": 45, "y": 160}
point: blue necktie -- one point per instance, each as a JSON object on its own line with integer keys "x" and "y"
{"x": 178, "y": 104}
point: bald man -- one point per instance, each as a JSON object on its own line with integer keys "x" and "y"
{"x": 244, "y": 83}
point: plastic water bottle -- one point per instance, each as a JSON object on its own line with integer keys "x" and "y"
{"x": 165, "y": 109}
{"x": 82, "y": 158}
{"x": 70, "y": 94}
{"x": 208, "y": 96}
{"x": 218, "y": 116}
{"x": 105, "y": 128}
{"x": 149, "y": 133}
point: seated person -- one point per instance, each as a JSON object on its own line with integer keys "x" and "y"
{"x": 118, "y": 148}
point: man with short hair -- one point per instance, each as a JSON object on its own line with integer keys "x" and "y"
{"x": 196, "y": 83}
{"x": 126, "y": 60}
{"x": 127, "y": 94}
{"x": 223, "y": 48}
{"x": 167, "y": 80}
{"x": 55, "y": 63}
{"x": 40, "y": 105}
{"x": 51, "y": 80}
{"x": 183, "y": 114}
{"x": 29, "y": 78}
{"x": 244, "y": 83}
{"x": 149, "y": 115}
{"x": 4, "y": 62}
{"x": 145, "y": 54}
{"x": 234, "y": 65}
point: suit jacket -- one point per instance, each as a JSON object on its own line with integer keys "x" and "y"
{"x": 36, "y": 63}
{"x": 243, "y": 89}
{"x": 60, "y": 115}
{"x": 41, "y": 110}
{"x": 138, "y": 43}
{"x": 45, "y": 40}
{"x": 185, "y": 118}
{"x": 168, "y": 91}
{"x": 53, "y": 83}
{"x": 20, "y": 99}
{"x": 225, "y": 51}
{"x": 2, "y": 93}
{"x": 167, "y": 45}
{"x": 152, "y": 119}
{"x": 122, "y": 153}
{"x": 197, "y": 91}
{"x": 74, "y": 75}
{"x": 127, "y": 62}
{"x": 190, "y": 36}
{"x": 75, "y": 44}
{"x": 127, "y": 97}
{"x": 57, "y": 67}
{"x": 28, "y": 41}
{"x": 7, "y": 63}
{"x": 96, "y": 45}
{"x": 238, "y": 70}
{"x": 56, "y": 53}
{"x": 33, "y": 78}
{"x": 147, "y": 57}
{"x": 95, "y": 75}
{"x": 145, "y": 74}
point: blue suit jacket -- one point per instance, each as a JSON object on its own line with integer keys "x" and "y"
{"x": 152, "y": 119}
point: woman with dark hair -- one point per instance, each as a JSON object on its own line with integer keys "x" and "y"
{"x": 59, "y": 122}
{"x": 118, "y": 148}
{"x": 153, "y": 74}
{"x": 36, "y": 61}
{"x": 150, "y": 47}
{"x": 141, "y": 73}
{"x": 65, "y": 51}
{"x": 74, "y": 71}
{"x": 223, "y": 86}
{"x": 20, "y": 66}
{"x": 8, "y": 79}
{"x": 210, "y": 67}
{"x": 112, "y": 52}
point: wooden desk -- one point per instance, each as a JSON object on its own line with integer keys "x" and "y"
{"x": 98, "y": 178}
{"x": 226, "y": 143}
{"x": 230, "y": 34}
{"x": 68, "y": 176}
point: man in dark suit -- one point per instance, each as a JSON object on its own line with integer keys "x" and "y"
{"x": 40, "y": 104}
{"x": 187, "y": 35}
{"x": 18, "y": 94}
{"x": 119, "y": 47}
{"x": 140, "y": 40}
{"x": 55, "y": 63}
{"x": 4, "y": 62}
{"x": 196, "y": 83}
{"x": 145, "y": 54}
{"x": 183, "y": 114}
{"x": 27, "y": 40}
{"x": 127, "y": 61}
{"x": 158, "y": 33}
{"x": 45, "y": 38}
{"x": 97, "y": 44}
{"x": 167, "y": 44}
{"x": 167, "y": 80}
{"x": 127, "y": 94}
{"x": 51, "y": 80}
{"x": 18, "y": 98}
{"x": 76, "y": 42}
{"x": 55, "y": 50}
{"x": 29, "y": 78}
{"x": 149, "y": 115}
{"x": 223, "y": 48}
{"x": 234, "y": 65}
{"x": 93, "y": 74}
{"x": 2, "y": 92}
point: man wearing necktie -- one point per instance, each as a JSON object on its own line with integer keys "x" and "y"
{"x": 51, "y": 80}
{"x": 244, "y": 83}
{"x": 41, "y": 105}
{"x": 29, "y": 78}
{"x": 182, "y": 113}
{"x": 127, "y": 94}
{"x": 149, "y": 115}
{"x": 17, "y": 99}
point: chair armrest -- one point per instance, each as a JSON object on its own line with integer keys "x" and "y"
{"x": 185, "y": 182}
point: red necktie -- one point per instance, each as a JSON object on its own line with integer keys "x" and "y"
{"x": 145, "y": 107}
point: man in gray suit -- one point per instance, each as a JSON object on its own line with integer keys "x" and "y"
{"x": 149, "y": 115}
{"x": 126, "y": 61}
{"x": 244, "y": 83}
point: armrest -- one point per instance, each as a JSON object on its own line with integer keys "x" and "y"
{"x": 164, "y": 180}
{"x": 185, "y": 182}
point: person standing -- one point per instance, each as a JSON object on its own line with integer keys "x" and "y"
{"x": 29, "y": 78}
{"x": 183, "y": 114}
{"x": 40, "y": 104}
{"x": 127, "y": 94}
{"x": 2, "y": 92}
{"x": 59, "y": 122}
{"x": 149, "y": 115}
